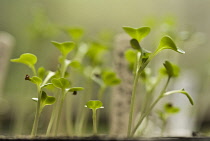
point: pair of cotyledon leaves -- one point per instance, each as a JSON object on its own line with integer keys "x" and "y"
{"x": 94, "y": 104}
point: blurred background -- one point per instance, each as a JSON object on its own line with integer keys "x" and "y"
{"x": 30, "y": 26}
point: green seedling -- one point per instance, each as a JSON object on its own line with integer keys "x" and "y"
{"x": 167, "y": 111}
{"x": 105, "y": 79}
{"x": 43, "y": 99}
{"x": 62, "y": 83}
{"x": 94, "y": 105}
{"x": 142, "y": 59}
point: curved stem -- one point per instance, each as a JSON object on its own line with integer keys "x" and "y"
{"x": 152, "y": 106}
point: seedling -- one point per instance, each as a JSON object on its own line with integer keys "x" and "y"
{"x": 105, "y": 79}
{"x": 43, "y": 99}
{"x": 167, "y": 111}
{"x": 94, "y": 105}
{"x": 41, "y": 78}
{"x": 143, "y": 58}
{"x": 61, "y": 83}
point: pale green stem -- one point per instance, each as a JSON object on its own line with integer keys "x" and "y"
{"x": 150, "y": 109}
{"x": 54, "y": 115}
{"x": 69, "y": 125}
{"x": 149, "y": 96}
{"x": 94, "y": 122}
{"x": 59, "y": 113}
{"x": 37, "y": 115}
{"x": 133, "y": 96}
{"x": 101, "y": 92}
{"x": 82, "y": 119}
{"x": 33, "y": 70}
{"x": 137, "y": 74}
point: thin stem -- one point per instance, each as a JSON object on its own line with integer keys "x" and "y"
{"x": 33, "y": 70}
{"x": 132, "y": 104}
{"x": 37, "y": 115}
{"x": 152, "y": 106}
{"x": 69, "y": 124}
{"x": 59, "y": 113}
{"x": 53, "y": 117}
{"x": 94, "y": 122}
{"x": 101, "y": 92}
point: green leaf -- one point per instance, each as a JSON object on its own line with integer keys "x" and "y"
{"x": 94, "y": 104}
{"x": 47, "y": 100}
{"x": 135, "y": 45}
{"x": 61, "y": 83}
{"x": 181, "y": 92}
{"x": 130, "y": 56}
{"x": 170, "y": 109}
{"x": 75, "y": 64}
{"x": 75, "y": 89}
{"x": 110, "y": 78}
{"x": 167, "y": 43}
{"x": 47, "y": 85}
{"x": 65, "y": 48}
{"x": 36, "y": 80}
{"x": 41, "y": 72}
{"x": 76, "y": 33}
{"x": 27, "y": 59}
{"x": 137, "y": 33}
{"x": 171, "y": 69}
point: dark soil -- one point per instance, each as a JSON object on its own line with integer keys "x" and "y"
{"x": 104, "y": 138}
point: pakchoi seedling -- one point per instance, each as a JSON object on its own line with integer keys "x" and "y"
{"x": 94, "y": 105}
{"x": 143, "y": 58}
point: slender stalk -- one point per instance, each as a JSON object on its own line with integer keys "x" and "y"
{"x": 54, "y": 115}
{"x": 69, "y": 124}
{"x": 132, "y": 104}
{"x": 152, "y": 106}
{"x": 81, "y": 120}
{"x": 94, "y": 122}
{"x": 59, "y": 113}
{"x": 37, "y": 115}
{"x": 101, "y": 92}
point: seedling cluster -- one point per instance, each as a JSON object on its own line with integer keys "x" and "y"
{"x": 58, "y": 81}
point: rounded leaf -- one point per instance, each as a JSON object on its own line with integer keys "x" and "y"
{"x": 27, "y": 59}
{"x": 137, "y": 33}
{"x": 47, "y": 100}
{"x": 36, "y": 80}
{"x": 110, "y": 78}
{"x": 170, "y": 109}
{"x": 167, "y": 43}
{"x": 130, "y": 55}
{"x": 75, "y": 89}
{"x": 135, "y": 45}
{"x": 76, "y": 33}
{"x": 61, "y": 83}
{"x": 64, "y": 47}
{"x": 41, "y": 72}
{"x": 94, "y": 104}
{"x": 171, "y": 69}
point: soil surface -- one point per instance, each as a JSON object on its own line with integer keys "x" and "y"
{"x": 103, "y": 138}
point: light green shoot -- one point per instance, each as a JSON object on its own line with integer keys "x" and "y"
{"x": 94, "y": 105}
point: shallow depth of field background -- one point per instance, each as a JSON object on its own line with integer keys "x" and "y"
{"x": 35, "y": 23}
